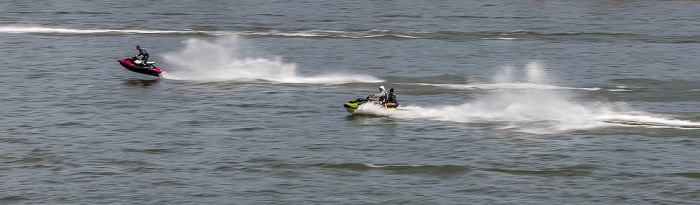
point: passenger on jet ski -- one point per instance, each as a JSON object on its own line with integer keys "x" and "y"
{"x": 381, "y": 95}
{"x": 390, "y": 104}
{"x": 390, "y": 100}
{"x": 142, "y": 52}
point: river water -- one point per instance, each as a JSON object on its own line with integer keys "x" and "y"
{"x": 511, "y": 102}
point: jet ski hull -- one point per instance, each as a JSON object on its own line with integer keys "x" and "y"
{"x": 352, "y": 105}
{"x": 149, "y": 69}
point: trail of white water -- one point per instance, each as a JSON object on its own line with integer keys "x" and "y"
{"x": 50, "y": 30}
{"x": 224, "y": 60}
{"x": 543, "y": 108}
{"x": 295, "y": 33}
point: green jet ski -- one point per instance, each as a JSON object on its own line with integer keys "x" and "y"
{"x": 352, "y": 105}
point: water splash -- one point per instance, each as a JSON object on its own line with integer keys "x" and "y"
{"x": 228, "y": 59}
{"x": 534, "y": 77}
{"x": 373, "y": 109}
{"x": 523, "y": 99}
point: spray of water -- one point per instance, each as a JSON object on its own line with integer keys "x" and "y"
{"x": 528, "y": 104}
{"x": 226, "y": 59}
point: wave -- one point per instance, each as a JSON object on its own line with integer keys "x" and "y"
{"x": 45, "y": 30}
{"x": 692, "y": 175}
{"x": 406, "y": 169}
{"x": 573, "y": 171}
{"x": 225, "y": 60}
{"x": 257, "y": 32}
{"x": 363, "y": 34}
{"x": 535, "y": 106}
{"x": 649, "y": 121}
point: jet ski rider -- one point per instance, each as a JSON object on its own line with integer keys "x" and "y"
{"x": 381, "y": 95}
{"x": 391, "y": 99}
{"x": 142, "y": 52}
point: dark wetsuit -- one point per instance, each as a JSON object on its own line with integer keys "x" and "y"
{"x": 391, "y": 98}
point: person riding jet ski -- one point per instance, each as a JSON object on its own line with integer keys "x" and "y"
{"x": 142, "y": 52}
{"x": 390, "y": 100}
{"x": 381, "y": 95}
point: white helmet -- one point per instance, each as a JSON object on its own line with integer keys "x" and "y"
{"x": 381, "y": 87}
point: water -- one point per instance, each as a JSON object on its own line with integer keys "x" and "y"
{"x": 527, "y": 102}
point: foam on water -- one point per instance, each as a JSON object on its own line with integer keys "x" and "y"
{"x": 544, "y": 110}
{"x": 373, "y": 109}
{"x": 223, "y": 60}
{"x": 295, "y": 33}
{"x": 49, "y": 30}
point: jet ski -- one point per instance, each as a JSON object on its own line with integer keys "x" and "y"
{"x": 135, "y": 65}
{"x": 352, "y": 105}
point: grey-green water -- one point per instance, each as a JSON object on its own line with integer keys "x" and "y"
{"x": 512, "y": 102}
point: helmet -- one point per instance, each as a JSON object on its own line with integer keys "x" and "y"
{"x": 381, "y": 87}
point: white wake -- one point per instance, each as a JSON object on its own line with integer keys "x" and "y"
{"x": 224, "y": 60}
{"x": 524, "y": 99}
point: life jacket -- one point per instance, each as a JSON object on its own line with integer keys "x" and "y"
{"x": 391, "y": 97}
